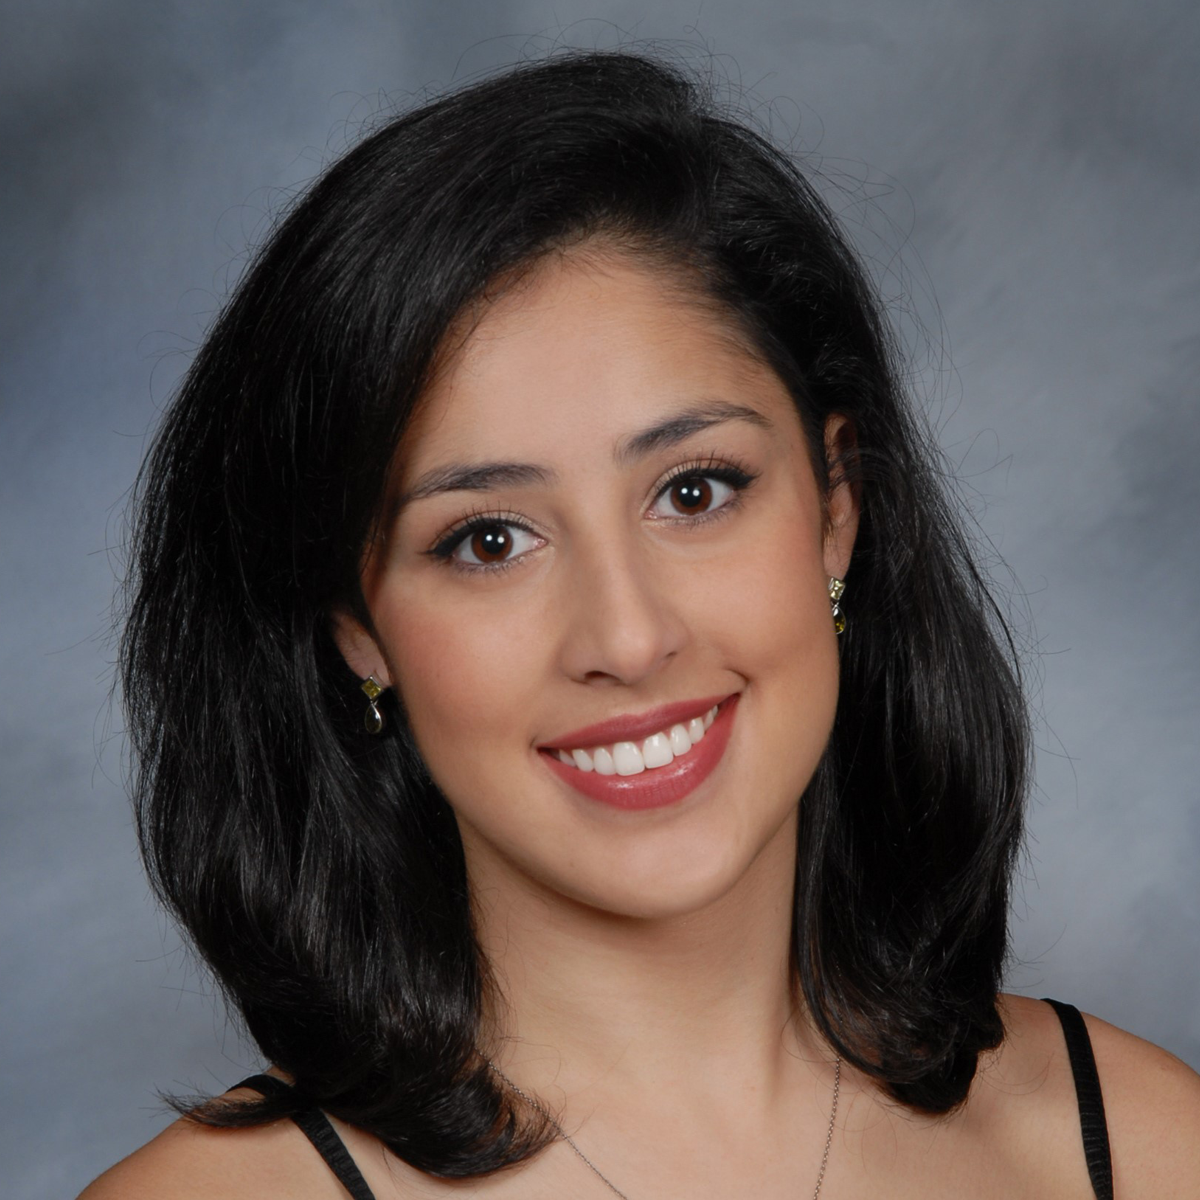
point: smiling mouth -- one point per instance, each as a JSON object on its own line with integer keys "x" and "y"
{"x": 650, "y": 772}
{"x": 658, "y": 750}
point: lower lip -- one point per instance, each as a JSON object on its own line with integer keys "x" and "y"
{"x": 655, "y": 787}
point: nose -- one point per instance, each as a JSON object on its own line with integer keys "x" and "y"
{"x": 623, "y": 621}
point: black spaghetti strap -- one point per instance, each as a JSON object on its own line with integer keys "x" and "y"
{"x": 268, "y": 1085}
{"x": 1091, "y": 1102}
{"x": 315, "y": 1126}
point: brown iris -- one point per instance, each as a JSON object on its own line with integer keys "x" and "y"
{"x": 491, "y": 544}
{"x": 691, "y": 495}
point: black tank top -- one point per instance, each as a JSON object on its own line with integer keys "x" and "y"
{"x": 316, "y": 1127}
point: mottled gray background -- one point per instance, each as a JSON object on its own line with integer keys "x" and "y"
{"x": 1023, "y": 178}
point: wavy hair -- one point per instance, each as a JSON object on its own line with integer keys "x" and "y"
{"x": 318, "y": 871}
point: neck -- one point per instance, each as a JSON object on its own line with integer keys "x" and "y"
{"x": 591, "y": 1002}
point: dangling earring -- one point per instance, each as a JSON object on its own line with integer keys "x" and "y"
{"x": 372, "y": 718}
{"x": 836, "y": 588}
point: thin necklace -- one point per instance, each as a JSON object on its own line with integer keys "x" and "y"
{"x": 534, "y": 1103}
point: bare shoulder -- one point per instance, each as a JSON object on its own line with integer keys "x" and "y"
{"x": 1151, "y": 1098}
{"x": 1152, "y": 1103}
{"x": 188, "y": 1161}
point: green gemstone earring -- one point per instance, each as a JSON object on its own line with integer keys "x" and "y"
{"x": 836, "y": 588}
{"x": 372, "y": 718}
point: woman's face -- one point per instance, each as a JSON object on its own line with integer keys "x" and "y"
{"x": 606, "y": 514}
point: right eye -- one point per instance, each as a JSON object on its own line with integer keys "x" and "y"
{"x": 485, "y": 543}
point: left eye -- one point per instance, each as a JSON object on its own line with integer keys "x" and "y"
{"x": 692, "y": 495}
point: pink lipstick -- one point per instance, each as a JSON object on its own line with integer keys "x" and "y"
{"x": 653, "y": 787}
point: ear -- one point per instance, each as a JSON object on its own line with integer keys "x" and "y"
{"x": 358, "y": 646}
{"x": 842, "y": 498}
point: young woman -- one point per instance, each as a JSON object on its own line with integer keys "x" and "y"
{"x": 507, "y": 744}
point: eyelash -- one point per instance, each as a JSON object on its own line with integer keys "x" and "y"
{"x": 725, "y": 471}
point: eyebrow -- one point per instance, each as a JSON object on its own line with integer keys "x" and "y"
{"x": 486, "y": 476}
{"x": 681, "y": 426}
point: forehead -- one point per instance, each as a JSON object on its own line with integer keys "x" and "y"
{"x": 578, "y": 352}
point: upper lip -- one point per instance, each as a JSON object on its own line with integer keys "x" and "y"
{"x": 634, "y": 726}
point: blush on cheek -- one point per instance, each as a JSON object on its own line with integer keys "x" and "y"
{"x": 787, "y": 645}
{"x": 455, "y": 679}
{"x": 771, "y": 594}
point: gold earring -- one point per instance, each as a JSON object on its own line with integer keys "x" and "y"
{"x": 836, "y": 588}
{"x": 372, "y": 718}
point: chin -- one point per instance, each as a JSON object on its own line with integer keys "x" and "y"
{"x": 672, "y": 878}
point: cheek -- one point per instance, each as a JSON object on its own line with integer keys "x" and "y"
{"x": 778, "y": 620}
{"x": 461, "y": 672}
{"x": 772, "y": 590}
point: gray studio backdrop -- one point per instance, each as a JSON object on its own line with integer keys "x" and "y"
{"x": 1023, "y": 177}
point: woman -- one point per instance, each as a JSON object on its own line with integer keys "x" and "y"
{"x": 506, "y": 743}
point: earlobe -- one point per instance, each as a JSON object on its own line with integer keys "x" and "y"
{"x": 358, "y": 647}
{"x": 842, "y": 498}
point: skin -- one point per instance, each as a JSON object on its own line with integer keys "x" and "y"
{"x": 641, "y": 958}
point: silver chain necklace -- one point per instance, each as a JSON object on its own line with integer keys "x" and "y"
{"x": 534, "y": 1103}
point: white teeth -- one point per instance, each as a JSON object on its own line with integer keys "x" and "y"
{"x": 656, "y": 751}
{"x": 628, "y": 758}
{"x": 603, "y": 761}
